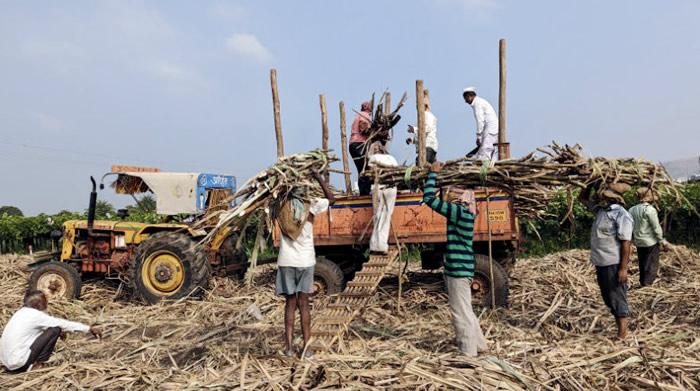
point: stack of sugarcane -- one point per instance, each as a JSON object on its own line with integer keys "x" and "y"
{"x": 269, "y": 188}
{"x": 534, "y": 179}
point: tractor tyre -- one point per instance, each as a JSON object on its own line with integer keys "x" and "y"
{"x": 169, "y": 265}
{"x": 232, "y": 256}
{"x": 56, "y": 280}
{"x": 328, "y": 278}
{"x": 482, "y": 284}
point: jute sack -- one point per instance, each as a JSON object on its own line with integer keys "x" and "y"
{"x": 290, "y": 226}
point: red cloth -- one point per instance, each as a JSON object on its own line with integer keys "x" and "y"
{"x": 362, "y": 118}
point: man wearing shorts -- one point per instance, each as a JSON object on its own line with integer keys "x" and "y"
{"x": 295, "y": 266}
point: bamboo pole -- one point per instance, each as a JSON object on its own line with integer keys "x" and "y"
{"x": 420, "y": 108}
{"x": 344, "y": 149}
{"x": 387, "y": 103}
{"x": 324, "y": 127}
{"x": 503, "y": 149}
{"x": 276, "y": 110}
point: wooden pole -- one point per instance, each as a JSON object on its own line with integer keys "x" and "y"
{"x": 503, "y": 148}
{"x": 387, "y": 103}
{"x": 324, "y": 123}
{"x": 276, "y": 110}
{"x": 324, "y": 127}
{"x": 420, "y": 108}
{"x": 344, "y": 148}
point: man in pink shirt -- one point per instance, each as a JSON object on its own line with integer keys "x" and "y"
{"x": 358, "y": 150}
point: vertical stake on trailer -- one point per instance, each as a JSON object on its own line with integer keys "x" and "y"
{"x": 387, "y": 103}
{"x": 344, "y": 148}
{"x": 276, "y": 111}
{"x": 324, "y": 127}
{"x": 420, "y": 108}
{"x": 503, "y": 148}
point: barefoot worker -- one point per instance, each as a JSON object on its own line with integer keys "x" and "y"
{"x": 459, "y": 263}
{"x": 31, "y": 334}
{"x": 610, "y": 249}
{"x": 297, "y": 258}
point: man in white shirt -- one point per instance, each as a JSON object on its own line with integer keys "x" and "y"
{"x": 31, "y": 334}
{"x": 295, "y": 266}
{"x": 486, "y": 124}
{"x": 431, "y": 141}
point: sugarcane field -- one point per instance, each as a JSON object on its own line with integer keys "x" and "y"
{"x": 428, "y": 195}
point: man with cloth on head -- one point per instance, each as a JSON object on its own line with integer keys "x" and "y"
{"x": 358, "y": 145}
{"x": 460, "y": 209}
{"x": 297, "y": 258}
{"x": 486, "y": 124}
{"x": 30, "y": 335}
{"x": 611, "y": 234}
{"x": 647, "y": 235}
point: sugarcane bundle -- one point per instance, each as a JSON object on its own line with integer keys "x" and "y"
{"x": 270, "y": 188}
{"x": 535, "y": 179}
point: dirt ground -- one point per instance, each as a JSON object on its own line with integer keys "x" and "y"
{"x": 555, "y": 335}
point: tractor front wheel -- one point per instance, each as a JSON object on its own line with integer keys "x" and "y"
{"x": 169, "y": 265}
{"x": 56, "y": 280}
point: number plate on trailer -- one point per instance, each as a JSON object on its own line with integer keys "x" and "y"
{"x": 497, "y": 215}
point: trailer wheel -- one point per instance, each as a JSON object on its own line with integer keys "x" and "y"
{"x": 56, "y": 279}
{"x": 232, "y": 256}
{"x": 482, "y": 286}
{"x": 328, "y": 278}
{"x": 169, "y": 265}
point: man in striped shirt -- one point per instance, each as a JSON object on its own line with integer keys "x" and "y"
{"x": 459, "y": 264}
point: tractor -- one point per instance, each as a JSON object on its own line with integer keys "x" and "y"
{"x": 159, "y": 261}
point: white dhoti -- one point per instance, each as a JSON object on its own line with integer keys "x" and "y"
{"x": 384, "y": 200}
{"x": 468, "y": 336}
{"x": 486, "y": 148}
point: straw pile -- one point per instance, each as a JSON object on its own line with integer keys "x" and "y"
{"x": 534, "y": 179}
{"x": 556, "y": 335}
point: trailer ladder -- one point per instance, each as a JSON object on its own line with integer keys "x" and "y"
{"x": 329, "y": 325}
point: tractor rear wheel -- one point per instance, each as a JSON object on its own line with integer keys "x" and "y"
{"x": 56, "y": 280}
{"x": 169, "y": 265}
{"x": 482, "y": 285}
{"x": 328, "y": 277}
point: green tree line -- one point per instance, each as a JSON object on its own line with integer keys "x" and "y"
{"x": 17, "y": 231}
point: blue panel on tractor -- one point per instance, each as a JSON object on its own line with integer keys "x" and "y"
{"x": 212, "y": 181}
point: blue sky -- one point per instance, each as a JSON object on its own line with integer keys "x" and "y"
{"x": 184, "y": 85}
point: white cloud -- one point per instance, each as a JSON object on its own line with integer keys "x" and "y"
{"x": 227, "y": 11}
{"x": 248, "y": 45}
{"x": 177, "y": 76}
{"x": 48, "y": 122}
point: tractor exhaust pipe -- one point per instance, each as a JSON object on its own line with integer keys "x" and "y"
{"x": 91, "y": 208}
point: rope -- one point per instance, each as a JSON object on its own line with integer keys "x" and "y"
{"x": 407, "y": 176}
{"x": 483, "y": 175}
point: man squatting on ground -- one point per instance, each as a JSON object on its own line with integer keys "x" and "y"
{"x": 358, "y": 147}
{"x": 431, "y": 140}
{"x": 610, "y": 249}
{"x": 647, "y": 235}
{"x": 486, "y": 124}
{"x": 31, "y": 334}
{"x": 296, "y": 260}
{"x": 459, "y": 263}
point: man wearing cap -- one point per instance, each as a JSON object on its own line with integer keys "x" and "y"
{"x": 486, "y": 124}
{"x": 610, "y": 248}
{"x": 647, "y": 235}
